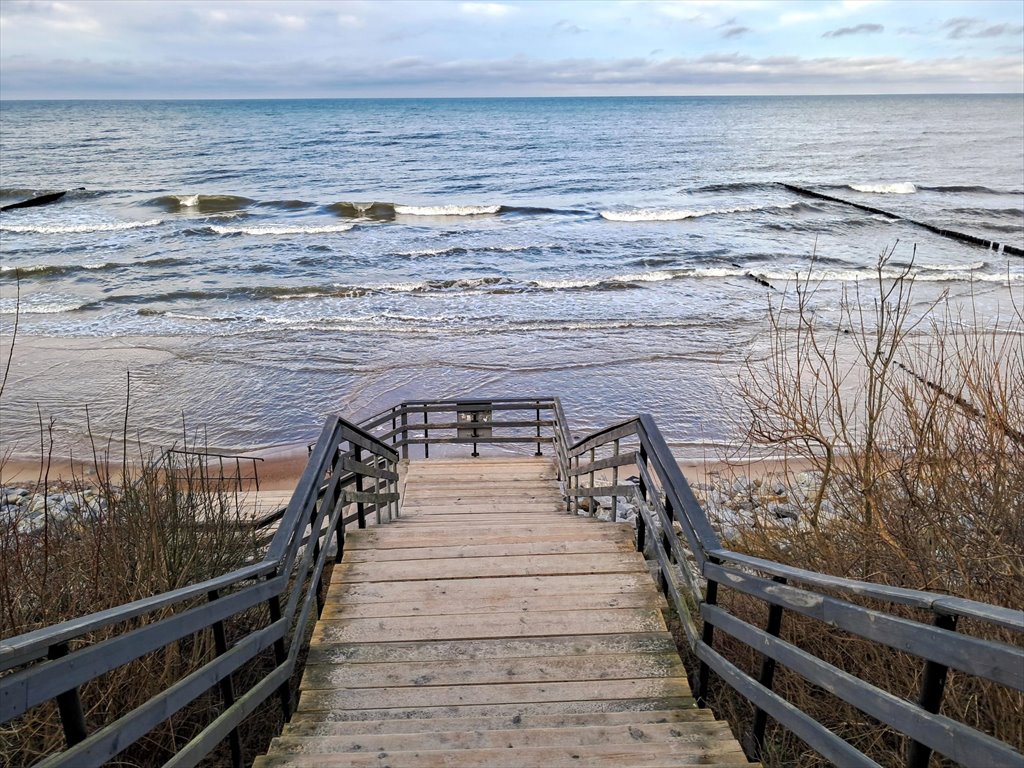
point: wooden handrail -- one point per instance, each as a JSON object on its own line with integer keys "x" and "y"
{"x": 287, "y": 579}
{"x": 694, "y": 577}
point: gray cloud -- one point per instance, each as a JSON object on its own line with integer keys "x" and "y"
{"x": 860, "y": 29}
{"x": 969, "y": 28}
{"x": 26, "y": 77}
{"x": 735, "y": 32}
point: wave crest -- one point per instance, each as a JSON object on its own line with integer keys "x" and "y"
{"x": 898, "y": 188}
{"x": 282, "y": 229}
{"x": 201, "y": 203}
{"x": 678, "y": 214}
{"x": 68, "y": 229}
{"x": 447, "y": 210}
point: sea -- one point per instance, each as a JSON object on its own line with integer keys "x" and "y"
{"x": 242, "y": 269}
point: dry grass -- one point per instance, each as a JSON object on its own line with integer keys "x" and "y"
{"x": 917, "y": 431}
{"x": 164, "y": 527}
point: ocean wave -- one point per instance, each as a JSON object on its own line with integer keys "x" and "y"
{"x": 459, "y": 250}
{"x": 281, "y": 229}
{"x": 367, "y": 210}
{"x": 59, "y": 270}
{"x": 286, "y": 205}
{"x": 447, "y": 210}
{"x": 898, "y": 188}
{"x": 42, "y": 305}
{"x": 969, "y": 188}
{"x": 679, "y": 214}
{"x": 201, "y": 203}
{"x": 67, "y": 229}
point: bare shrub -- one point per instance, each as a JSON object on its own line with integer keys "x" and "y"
{"x": 912, "y": 425}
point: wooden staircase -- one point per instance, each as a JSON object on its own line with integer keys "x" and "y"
{"x": 486, "y": 627}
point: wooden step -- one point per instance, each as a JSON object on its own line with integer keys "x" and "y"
{"x": 685, "y": 737}
{"x": 488, "y": 670}
{"x": 488, "y": 627}
{"x": 495, "y": 722}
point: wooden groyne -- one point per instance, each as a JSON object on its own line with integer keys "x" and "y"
{"x": 952, "y": 234}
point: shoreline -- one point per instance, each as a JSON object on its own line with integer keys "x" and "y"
{"x": 279, "y": 468}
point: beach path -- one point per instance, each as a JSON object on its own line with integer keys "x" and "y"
{"x": 486, "y": 627}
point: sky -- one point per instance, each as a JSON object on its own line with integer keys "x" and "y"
{"x": 169, "y": 49}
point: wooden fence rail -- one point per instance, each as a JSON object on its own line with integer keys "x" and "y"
{"x": 53, "y": 663}
{"x": 352, "y": 475}
{"x": 696, "y": 570}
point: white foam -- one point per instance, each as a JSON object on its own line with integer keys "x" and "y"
{"x": 295, "y": 229}
{"x": 899, "y": 188}
{"x": 60, "y": 229}
{"x": 10, "y": 307}
{"x": 446, "y": 210}
{"x": 678, "y": 214}
{"x": 188, "y": 201}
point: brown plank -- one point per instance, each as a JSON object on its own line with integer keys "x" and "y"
{"x": 479, "y": 671}
{"x": 410, "y": 539}
{"x": 496, "y": 722}
{"x": 460, "y": 550}
{"x": 683, "y": 737}
{"x": 411, "y": 628}
{"x": 336, "y": 607}
{"x": 510, "y": 693}
{"x": 457, "y": 589}
{"x": 480, "y": 567}
{"x": 640, "y": 755}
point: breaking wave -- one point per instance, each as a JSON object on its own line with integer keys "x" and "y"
{"x": 201, "y": 203}
{"x": 678, "y": 214}
{"x": 67, "y": 229}
{"x": 447, "y": 210}
{"x": 281, "y": 229}
{"x": 899, "y": 188}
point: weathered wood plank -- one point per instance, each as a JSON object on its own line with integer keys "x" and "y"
{"x": 336, "y": 607}
{"x": 580, "y": 706}
{"x": 639, "y": 755}
{"x": 478, "y": 567}
{"x": 412, "y": 539}
{"x": 408, "y": 628}
{"x": 459, "y": 550}
{"x": 495, "y": 722}
{"x": 684, "y": 737}
{"x": 510, "y": 693}
{"x": 503, "y": 648}
{"x": 488, "y": 587}
{"x": 479, "y": 671}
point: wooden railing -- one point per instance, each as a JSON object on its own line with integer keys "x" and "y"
{"x": 210, "y": 467}
{"x": 348, "y": 468}
{"x": 357, "y": 466}
{"x": 696, "y": 571}
{"x": 509, "y": 422}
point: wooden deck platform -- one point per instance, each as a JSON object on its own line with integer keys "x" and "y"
{"x": 488, "y": 628}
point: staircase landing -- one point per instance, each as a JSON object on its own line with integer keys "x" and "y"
{"x": 486, "y": 627}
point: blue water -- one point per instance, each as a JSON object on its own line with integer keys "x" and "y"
{"x": 255, "y": 265}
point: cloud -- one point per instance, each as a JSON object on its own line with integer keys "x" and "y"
{"x": 518, "y": 75}
{"x": 964, "y": 28}
{"x": 860, "y": 29}
{"x": 735, "y": 31}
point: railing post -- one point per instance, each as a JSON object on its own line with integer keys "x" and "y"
{"x": 426, "y": 436}
{"x": 377, "y": 511}
{"x": 575, "y": 467}
{"x": 933, "y": 685}
{"x": 339, "y": 531}
{"x": 539, "y": 453}
{"x": 405, "y": 434}
{"x": 593, "y": 499}
{"x": 641, "y": 525}
{"x": 69, "y": 704}
{"x": 615, "y": 483}
{"x": 360, "y": 507}
{"x": 284, "y": 692}
{"x": 227, "y": 688}
{"x": 314, "y": 535}
{"x": 767, "y": 677}
{"x": 707, "y": 637}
